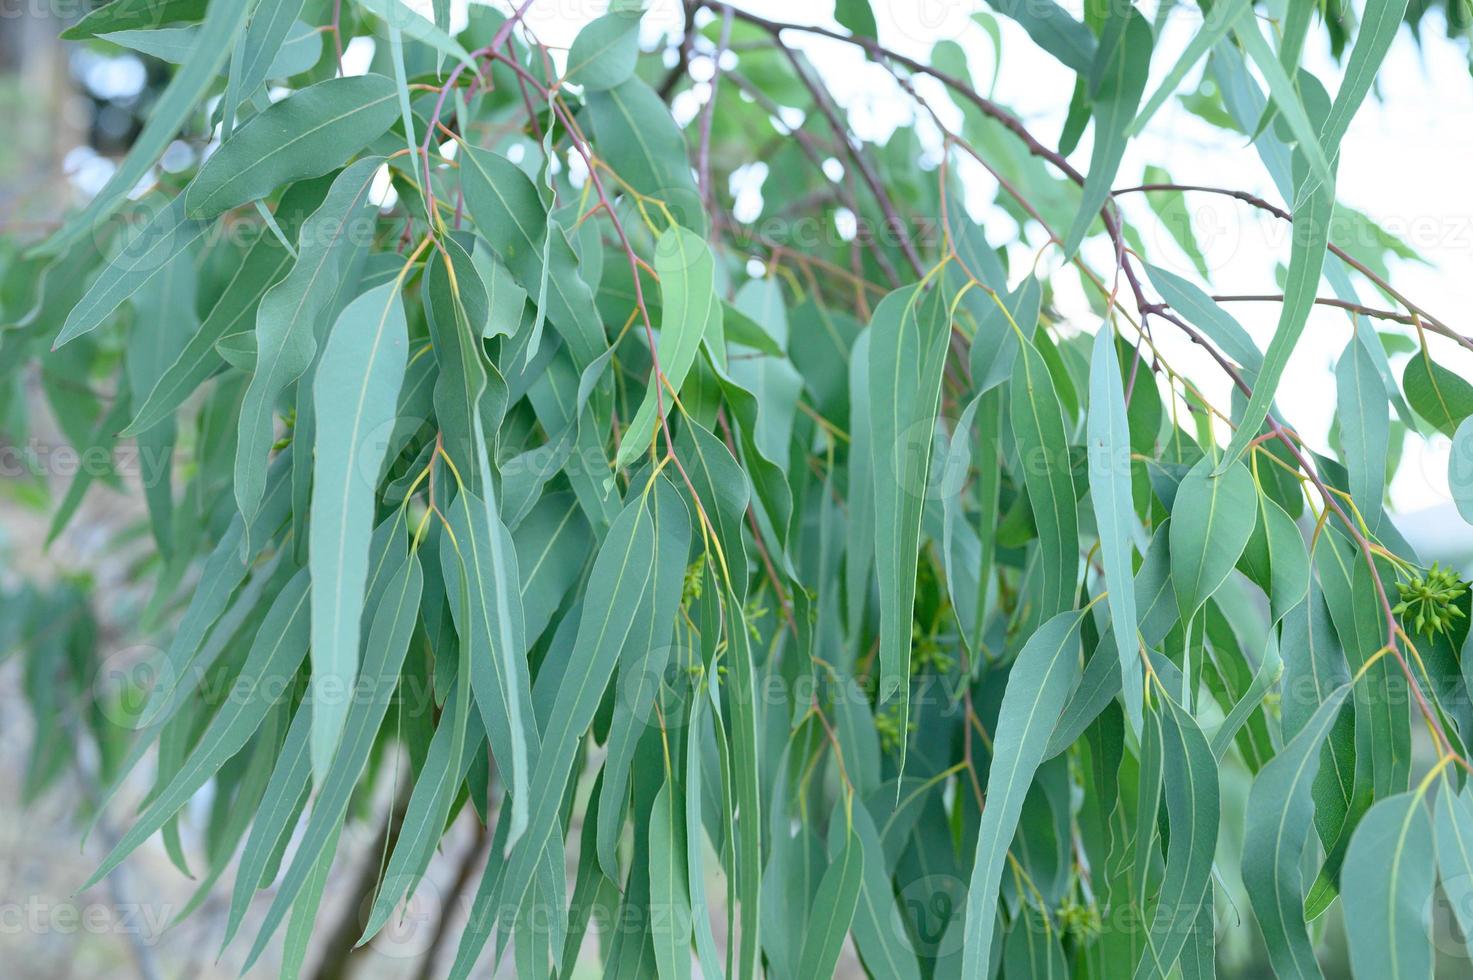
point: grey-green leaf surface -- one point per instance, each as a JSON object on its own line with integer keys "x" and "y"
{"x": 1280, "y": 815}
{"x": 1385, "y": 887}
{"x": 288, "y": 319}
{"x": 1038, "y": 684}
{"x": 306, "y": 134}
{"x": 1108, "y": 432}
{"x": 1118, "y": 79}
{"x": 355, "y": 391}
{"x": 222, "y": 24}
{"x": 908, "y": 338}
{"x": 1211, "y": 523}
{"x": 690, "y": 309}
{"x": 1043, "y": 455}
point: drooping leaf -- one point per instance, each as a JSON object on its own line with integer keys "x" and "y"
{"x": 354, "y": 393}
{"x": 1389, "y": 875}
{"x": 1038, "y": 684}
{"x": 1110, "y": 493}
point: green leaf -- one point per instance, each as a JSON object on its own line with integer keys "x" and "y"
{"x": 1053, "y": 29}
{"x": 1460, "y": 469}
{"x": 140, "y": 261}
{"x": 1373, "y": 38}
{"x": 1038, "y": 684}
{"x": 1280, "y": 814}
{"x": 856, "y": 17}
{"x": 1043, "y": 456}
{"x": 908, "y": 343}
{"x": 279, "y": 648}
{"x": 405, "y": 20}
{"x": 392, "y": 623}
{"x": 622, "y": 574}
{"x": 833, "y": 908}
{"x": 134, "y": 14}
{"x": 605, "y": 51}
{"x": 509, "y": 212}
{"x": 291, "y": 318}
{"x": 1387, "y": 883}
{"x": 306, "y": 134}
{"x": 670, "y": 928}
{"x": 233, "y": 311}
{"x": 1365, "y": 428}
{"x": 1117, "y": 78}
{"x": 1313, "y": 213}
{"x": 354, "y": 392}
{"x": 1454, "y": 821}
{"x": 1437, "y": 394}
{"x": 690, "y": 311}
{"x": 1216, "y": 22}
{"x": 1110, "y": 493}
{"x": 633, "y": 129}
{"x": 1219, "y": 325}
{"x": 1211, "y": 523}
{"x": 222, "y": 24}
{"x": 264, "y": 53}
{"x": 479, "y": 564}
{"x": 1193, "y": 810}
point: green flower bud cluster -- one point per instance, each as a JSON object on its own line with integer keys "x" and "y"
{"x": 1427, "y": 602}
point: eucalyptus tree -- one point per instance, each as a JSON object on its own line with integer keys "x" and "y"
{"x": 800, "y": 576}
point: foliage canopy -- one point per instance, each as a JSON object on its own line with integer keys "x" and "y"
{"x": 477, "y": 427}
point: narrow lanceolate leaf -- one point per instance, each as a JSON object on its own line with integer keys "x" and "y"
{"x": 1217, "y": 21}
{"x": 510, "y": 213}
{"x": 1043, "y": 455}
{"x": 281, "y": 805}
{"x": 146, "y": 254}
{"x": 355, "y": 392}
{"x": 216, "y": 40}
{"x": 1220, "y": 326}
{"x": 1454, "y": 820}
{"x": 400, "y": 17}
{"x": 306, "y": 134}
{"x": 1109, "y": 489}
{"x": 670, "y": 924}
{"x": 1365, "y": 428}
{"x": 1373, "y": 39}
{"x": 908, "y": 338}
{"x": 1052, "y": 28}
{"x": 289, "y": 319}
{"x": 691, "y": 309}
{"x": 480, "y": 562}
{"x": 270, "y": 27}
{"x": 833, "y": 908}
{"x": 1193, "y": 810}
{"x": 1211, "y": 522}
{"x": 1280, "y": 816}
{"x": 455, "y": 299}
{"x": 622, "y": 573}
{"x": 1313, "y": 214}
{"x": 392, "y": 623}
{"x": 1117, "y": 80}
{"x": 234, "y": 310}
{"x": 444, "y": 770}
{"x": 280, "y": 646}
{"x": 1385, "y": 887}
{"x": 1038, "y": 685}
